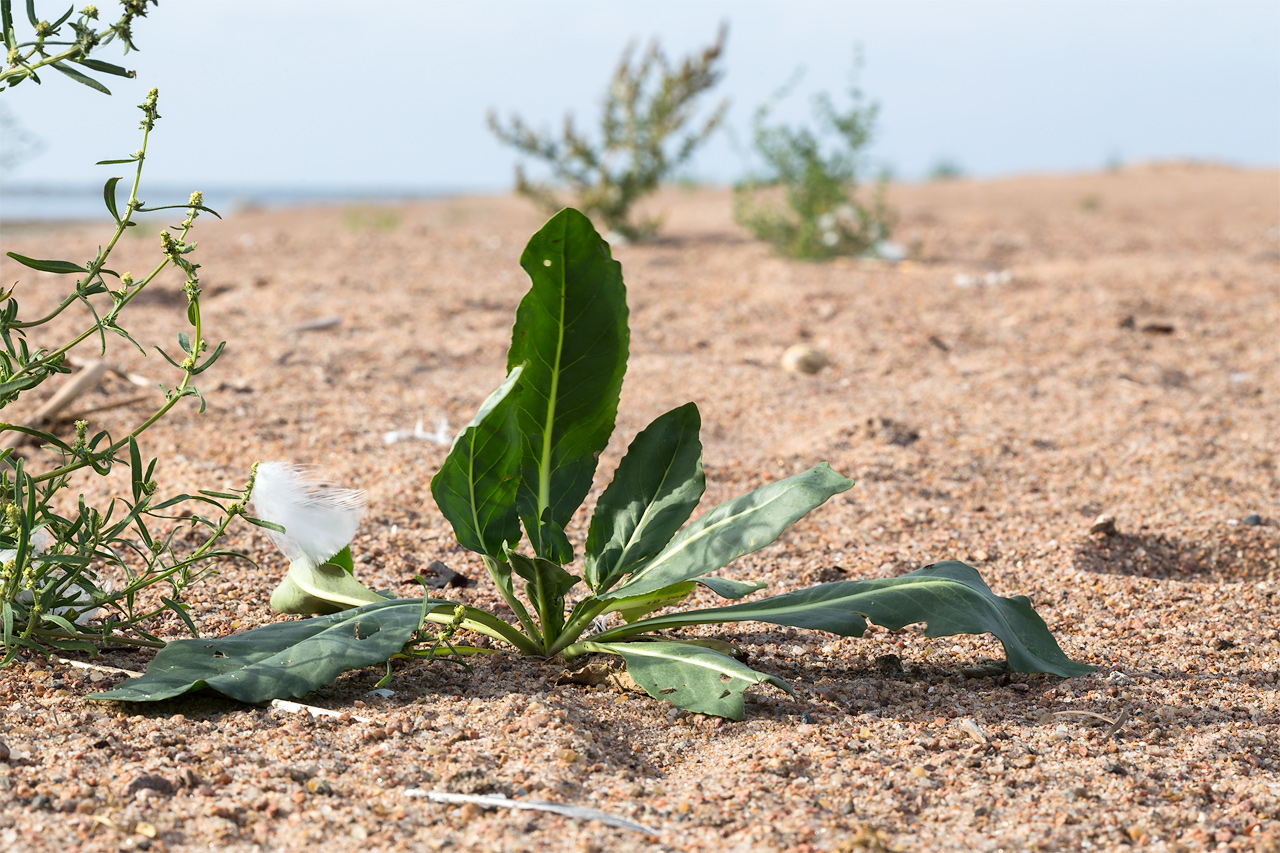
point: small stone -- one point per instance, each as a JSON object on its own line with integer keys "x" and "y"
{"x": 803, "y": 358}
{"x": 890, "y": 432}
{"x": 1252, "y": 519}
{"x": 149, "y": 782}
{"x": 889, "y": 665}
{"x": 318, "y": 786}
{"x": 1105, "y": 524}
{"x": 4, "y": 751}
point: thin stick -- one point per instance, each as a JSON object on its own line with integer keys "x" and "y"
{"x": 140, "y": 381}
{"x": 79, "y": 664}
{"x": 500, "y": 802}
{"x": 298, "y": 707}
{"x": 128, "y": 401}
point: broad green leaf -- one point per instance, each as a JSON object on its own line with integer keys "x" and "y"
{"x": 571, "y": 333}
{"x": 475, "y": 488}
{"x": 546, "y": 586}
{"x": 343, "y": 559}
{"x": 60, "y": 267}
{"x": 727, "y": 588}
{"x": 631, "y": 609}
{"x": 327, "y": 588}
{"x": 950, "y": 597}
{"x": 691, "y": 677}
{"x": 287, "y": 659}
{"x": 733, "y": 529}
{"x": 654, "y": 491}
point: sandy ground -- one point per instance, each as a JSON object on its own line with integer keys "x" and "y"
{"x": 1127, "y": 363}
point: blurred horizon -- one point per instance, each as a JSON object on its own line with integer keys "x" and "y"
{"x": 389, "y": 99}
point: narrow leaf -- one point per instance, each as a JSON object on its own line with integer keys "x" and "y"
{"x": 286, "y": 659}
{"x": 109, "y": 196}
{"x": 571, "y": 332}
{"x": 178, "y": 608}
{"x": 656, "y": 488}
{"x": 81, "y": 78}
{"x": 950, "y": 597}
{"x": 733, "y": 529}
{"x": 105, "y": 67}
{"x": 691, "y": 677}
{"x": 475, "y": 488}
{"x": 60, "y": 267}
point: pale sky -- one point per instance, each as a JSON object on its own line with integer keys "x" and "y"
{"x": 387, "y": 95}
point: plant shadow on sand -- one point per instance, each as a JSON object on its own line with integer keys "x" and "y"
{"x": 1235, "y": 555}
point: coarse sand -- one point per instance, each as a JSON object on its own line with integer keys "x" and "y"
{"x": 1056, "y": 348}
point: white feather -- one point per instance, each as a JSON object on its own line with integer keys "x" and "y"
{"x": 40, "y": 542}
{"x": 318, "y": 517}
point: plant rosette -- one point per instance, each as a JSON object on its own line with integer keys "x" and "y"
{"x": 515, "y": 476}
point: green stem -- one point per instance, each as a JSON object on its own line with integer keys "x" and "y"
{"x": 489, "y": 625}
{"x": 21, "y": 66}
{"x": 531, "y": 631}
{"x": 575, "y": 626}
{"x": 577, "y": 649}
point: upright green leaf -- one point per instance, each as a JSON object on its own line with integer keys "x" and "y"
{"x": 691, "y": 677}
{"x": 654, "y": 491}
{"x": 280, "y": 660}
{"x": 950, "y": 597}
{"x": 109, "y": 196}
{"x": 733, "y": 529}
{"x": 571, "y": 332}
{"x": 475, "y": 488}
{"x": 546, "y": 586}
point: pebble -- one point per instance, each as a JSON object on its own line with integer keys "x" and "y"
{"x": 4, "y": 751}
{"x": 802, "y": 358}
{"x": 1104, "y": 524}
{"x": 1252, "y": 519}
{"x": 149, "y": 782}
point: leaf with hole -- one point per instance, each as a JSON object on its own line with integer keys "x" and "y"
{"x": 286, "y": 659}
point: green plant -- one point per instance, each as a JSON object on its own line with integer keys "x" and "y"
{"x": 519, "y": 471}
{"x": 820, "y": 214}
{"x": 73, "y": 576}
{"x": 25, "y": 58}
{"x": 946, "y": 169}
{"x": 642, "y": 138}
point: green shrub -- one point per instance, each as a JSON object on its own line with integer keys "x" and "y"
{"x": 820, "y": 213}
{"x": 946, "y": 169}
{"x": 642, "y": 139}
{"x": 52, "y": 560}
